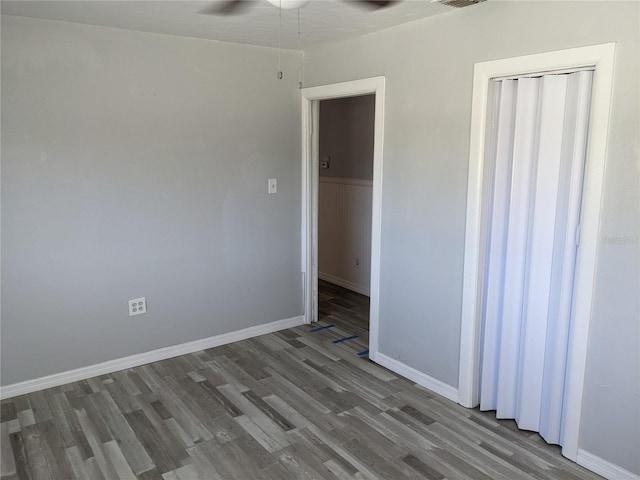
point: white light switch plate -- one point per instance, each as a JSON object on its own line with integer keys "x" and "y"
{"x": 273, "y": 185}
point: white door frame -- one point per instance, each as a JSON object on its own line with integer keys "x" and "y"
{"x": 310, "y": 99}
{"x": 601, "y": 58}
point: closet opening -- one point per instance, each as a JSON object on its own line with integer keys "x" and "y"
{"x": 536, "y": 168}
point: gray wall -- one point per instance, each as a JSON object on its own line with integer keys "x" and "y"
{"x": 346, "y": 135}
{"x": 427, "y": 121}
{"x": 136, "y": 164}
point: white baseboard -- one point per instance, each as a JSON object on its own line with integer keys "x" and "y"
{"x": 414, "y": 375}
{"x": 111, "y": 366}
{"x": 603, "y": 467}
{"x": 344, "y": 283}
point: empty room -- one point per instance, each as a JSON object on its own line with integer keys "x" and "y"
{"x": 195, "y": 285}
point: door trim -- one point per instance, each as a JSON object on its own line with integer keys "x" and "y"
{"x": 309, "y": 250}
{"x": 601, "y": 58}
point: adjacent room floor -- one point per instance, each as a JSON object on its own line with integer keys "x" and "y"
{"x": 348, "y": 310}
{"x": 289, "y": 405}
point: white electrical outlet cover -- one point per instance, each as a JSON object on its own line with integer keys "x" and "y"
{"x": 137, "y": 306}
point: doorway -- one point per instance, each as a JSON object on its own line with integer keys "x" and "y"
{"x": 599, "y": 58}
{"x": 311, "y": 98}
{"x": 346, "y": 131}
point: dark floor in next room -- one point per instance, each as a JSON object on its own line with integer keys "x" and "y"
{"x": 288, "y": 405}
{"x": 349, "y": 310}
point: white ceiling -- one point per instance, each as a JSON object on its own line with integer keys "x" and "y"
{"x": 322, "y": 20}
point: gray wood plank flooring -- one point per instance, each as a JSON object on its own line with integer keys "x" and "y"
{"x": 289, "y": 405}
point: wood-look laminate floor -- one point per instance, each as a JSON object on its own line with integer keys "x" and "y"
{"x": 288, "y": 405}
{"x": 349, "y": 310}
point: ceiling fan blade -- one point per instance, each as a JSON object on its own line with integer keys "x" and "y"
{"x": 226, "y": 7}
{"x": 374, "y": 4}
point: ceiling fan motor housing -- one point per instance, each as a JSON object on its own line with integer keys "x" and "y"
{"x": 288, "y": 4}
{"x": 458, "y": 3}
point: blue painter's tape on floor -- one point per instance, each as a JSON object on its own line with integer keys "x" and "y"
{"x": 324, "y": 327}
{"x": 344, "y": 339}
{"x": 363, "y": 353}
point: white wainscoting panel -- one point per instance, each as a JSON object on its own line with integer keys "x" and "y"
{"x": 344, "y": 232}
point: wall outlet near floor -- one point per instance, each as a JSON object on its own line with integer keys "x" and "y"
{"x": 357, "y": 262}
{"x": 137, "y": 306}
